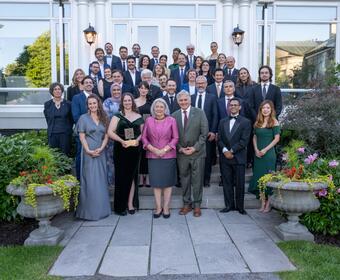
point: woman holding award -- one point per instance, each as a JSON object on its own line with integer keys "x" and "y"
{"x": 125, "y": 129}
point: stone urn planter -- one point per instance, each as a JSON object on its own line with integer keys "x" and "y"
{"x": 48, "y": 205}
{"x": 295, "y": 199}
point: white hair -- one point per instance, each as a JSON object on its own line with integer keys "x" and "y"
{"x": 190, "y": 46}
{"x": 159, "y": 100}
{"x": 229, "y": 82}
{"x": 146, "y": 72}
{"x": 201, "y": 77}
{"x": 183, "y": 92}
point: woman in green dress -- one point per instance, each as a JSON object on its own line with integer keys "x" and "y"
{"x": 266, "y": 136}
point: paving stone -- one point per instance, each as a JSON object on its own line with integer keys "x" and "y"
{"x": 234, "y": 217}
{"x": 171, "y": 247}
{"x": 83, "y": 253}
{"x": 258, "y": 250}
{"x": 108, "y": 221}
{"x": 219, "y": 258}
{"x": 69, "y": 224}
{"x": 133, "y": 230}
{"x": 123, "y": 261}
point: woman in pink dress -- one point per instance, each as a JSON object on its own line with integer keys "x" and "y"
{"x": 159, "y": 137}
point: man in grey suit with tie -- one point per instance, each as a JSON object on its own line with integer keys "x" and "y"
{"x": 191, "y": 152}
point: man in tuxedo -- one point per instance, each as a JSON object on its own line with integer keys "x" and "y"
{"x": 217, "y": 87}
{"x": 95, "y": 75}
{"x": 179, "y": 74}
{"x": 193, "y": 129}
{"x": 136, "y": 54}
{"x": 191, "y": 58}
{"x": 155, "y": 57}
{"x": 110, "y": 59}
{"x": 170, "y": 96}
{"x": 155, "y": 91}
{"x": 265, "y": 90}
{"x": 99, "y": 54}
{"x": 207, "y": 103}
{"x": 79, "y": 108}
{"x": 233, "y": 137}
{"x": 118, "y": 78}
{"x": 231, "y": 72}
{"x": 121, "y": 63}
{"x": 162, "y": 83}
{"x": 131, "y": 76}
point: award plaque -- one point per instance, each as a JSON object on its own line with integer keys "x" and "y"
{"x": 129, "y": 133}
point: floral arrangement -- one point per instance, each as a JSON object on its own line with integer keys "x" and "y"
{"x": 46, "y": 174}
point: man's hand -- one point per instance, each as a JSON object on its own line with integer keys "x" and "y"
{"x": 211, "y": 136}
{"x": 228, "y": 155}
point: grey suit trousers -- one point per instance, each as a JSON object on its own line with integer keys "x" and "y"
{"x": 191, "y": 172}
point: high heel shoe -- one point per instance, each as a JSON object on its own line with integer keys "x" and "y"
{"x": 132, "y": 211}
{"x": 166, "y": 216}
{"x": 157, "y": 215}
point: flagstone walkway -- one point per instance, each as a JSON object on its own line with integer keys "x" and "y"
{"x": 138, "y": 245}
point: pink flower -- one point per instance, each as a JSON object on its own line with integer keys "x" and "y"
{"x": 323, "y": 193}
{"x": 284, "y": 157}
{"x": 330, "y": 177}
{"x": 338, "y": 191}
{"x": 311, "y": 158}
{"x": 301, "y": 150}
{"x": 333, "y": 163}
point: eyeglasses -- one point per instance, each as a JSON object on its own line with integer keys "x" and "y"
{"x": 234, "y": 105}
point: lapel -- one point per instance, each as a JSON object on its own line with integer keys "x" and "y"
{"x": 269, "y": 91}
{"x": 191, "y": 117}
{"x": 193, "y": 99}
{"x": 235, "y": 127}
{"x": 178, "y": 117}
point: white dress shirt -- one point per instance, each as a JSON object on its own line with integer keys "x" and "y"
{"x": 231, "y": 125}
{"x": 192, "y": 90}
{"x": 188, "y": 113}
{"x": 109, "y": 59}
{"x": 133, "y": 76}
{"x": 203, "y": 100}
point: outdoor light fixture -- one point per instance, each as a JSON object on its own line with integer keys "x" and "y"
{"x": 237, "y": 35}
{"x": 90, "y": 34}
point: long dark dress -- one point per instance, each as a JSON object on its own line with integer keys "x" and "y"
{"x": 267, "y": 163}
{"x": 144, "y": 110}
{"x": 126, "y": 161}
{"x": 94, "y": 201}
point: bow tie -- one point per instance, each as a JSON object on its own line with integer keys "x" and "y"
{"x": 232, "y": 117}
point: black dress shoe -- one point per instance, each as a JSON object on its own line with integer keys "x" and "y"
{"x": 132, "y": 211}
{"x": 140, "y": 186}
{"x": 124, "y": 213}
{"x": 157, "y": 215}
{"x": 242, "y": 212}
{"x": 166, "y": 216}
{"x": 147, "y": 186}
{"x": 225, "y": 210}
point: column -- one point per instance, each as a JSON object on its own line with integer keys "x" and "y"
{"x": 244, "y": 48}
{"x": 100, "y": 24}
{"x": 83, "y": 23}
{"x": 227, "y": 41}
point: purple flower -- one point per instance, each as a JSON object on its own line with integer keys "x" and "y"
{"x": 338, "y": 191}
{"x": 330, "y": 177}
{"x": 323, "y": 193}
{"x": 284, "y": 157}
{"x": 311, "y": 158}
{"x": 333, "y": 163}
{"x": 301, "y": 150}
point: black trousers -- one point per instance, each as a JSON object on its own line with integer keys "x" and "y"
{"x": 61, "y": 141}
{"x": 211, "y": 156}
{"x": 233, "y": 178}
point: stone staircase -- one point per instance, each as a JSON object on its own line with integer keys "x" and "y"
{"x": 212, "y": 196}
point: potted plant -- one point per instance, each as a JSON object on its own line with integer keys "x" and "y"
{"x": 295, "y": 187}
{"x": 44, "y": 193}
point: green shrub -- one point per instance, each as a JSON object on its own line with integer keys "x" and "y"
{"x": 15, "y": 155}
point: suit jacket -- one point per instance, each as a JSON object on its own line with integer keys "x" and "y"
{"x": 194, "y": 62}
{"x": 114, "y": 60}
{"x": 232, "y": 77}
{"x": 152, "y": 63}
{"x": 128, "y": 88}
{"x": 212, "y": 89}
{"x": 155, "y": 92}
{"x": 172, "y": 107}
{"x": 186, "y": 87}
{"x": 128, "y": 79}
{"x": 66, "y": 116}
{"x": 195, "y": 133}
{"x": 210, "y": 110}
{"x": 222, "y": 109}
{"x": 78, "y": 106}
{"x": 236, "y": 140}
{"x": 243, "y": 92}
{"x": 118, "y": 64}
{"x": 273, "y": 94}
{"x": 175, "y": 75}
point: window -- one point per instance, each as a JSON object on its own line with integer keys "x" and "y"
{"x": 163, "y": 11}
{"x": 207, "y": 35}
{"x": 24, "y": 10}
{"x": 147, "y": 37}
{"x": 305, "y": 13}
{"x": 207, "y": 11}
{"x": 120, "y": 35}
{"x": 67, "y": 10}
{"x": 259, "y": 10}
{"x": 120, "y": 11}
{"x": 179, "y": 37}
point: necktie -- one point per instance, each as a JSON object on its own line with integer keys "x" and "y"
{"x": 124, "y": 66}
{"x": 218, "y": 88}
{"x": 182, "y": 75}
{"x": 228, "y": 107}
{"x": 232, "y": 117}
{"x": 229, "y": 72}
{"x": 199, "y": 103}
{"x": 185, "y": 119}
{"x": 264, "y": 91}
{"x": 190, "y": 61}
{"x": 171, "y": 100}
{"x": 156, "y": 61}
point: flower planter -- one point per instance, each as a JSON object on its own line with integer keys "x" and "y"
{"x": 48, "y": 205}
{"x": 294, "y": 198}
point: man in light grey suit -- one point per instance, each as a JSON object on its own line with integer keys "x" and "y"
{"x": 193, "y": 130}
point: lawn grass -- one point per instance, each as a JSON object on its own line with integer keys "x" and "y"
{"x": 27, "y": 263}
{"x": 313, "y": 261}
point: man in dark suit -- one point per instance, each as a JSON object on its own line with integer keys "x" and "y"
{"x": 99, "y": 54}
{"x": 79, "y": 108}
{"x": 230, "y": 72}
{"x": 217, "y": 87}
{"x": 121, "y": 63}
{"x": 131, "y": 76}
{"x": 207, "y": 103}
{"x": 136, "y": 54}
{"x": 110, "y": 59}
{"x": 95, "y": 75}
{"x": 179, "y": 74}
{"x": 170, "y": 96}
{"x": 265, "y": 90}
{"x": 155, "y": 57}
{"x": 191, "y": 58}
{"x": 192, "y": 129}
{"x": 233, "y": 137}
{"x": 117, "y": 76}
{"x": 162, "y": 83}
{"x": 155, "y": 91}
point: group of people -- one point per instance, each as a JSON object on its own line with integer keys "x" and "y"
{"x": 139, "y": 122}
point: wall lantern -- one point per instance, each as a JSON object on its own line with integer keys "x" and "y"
{"x": 90, "y": 35}
{"x": 237, "y": 35}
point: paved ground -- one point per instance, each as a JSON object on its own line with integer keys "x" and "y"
{"x": 214, "y": 246}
